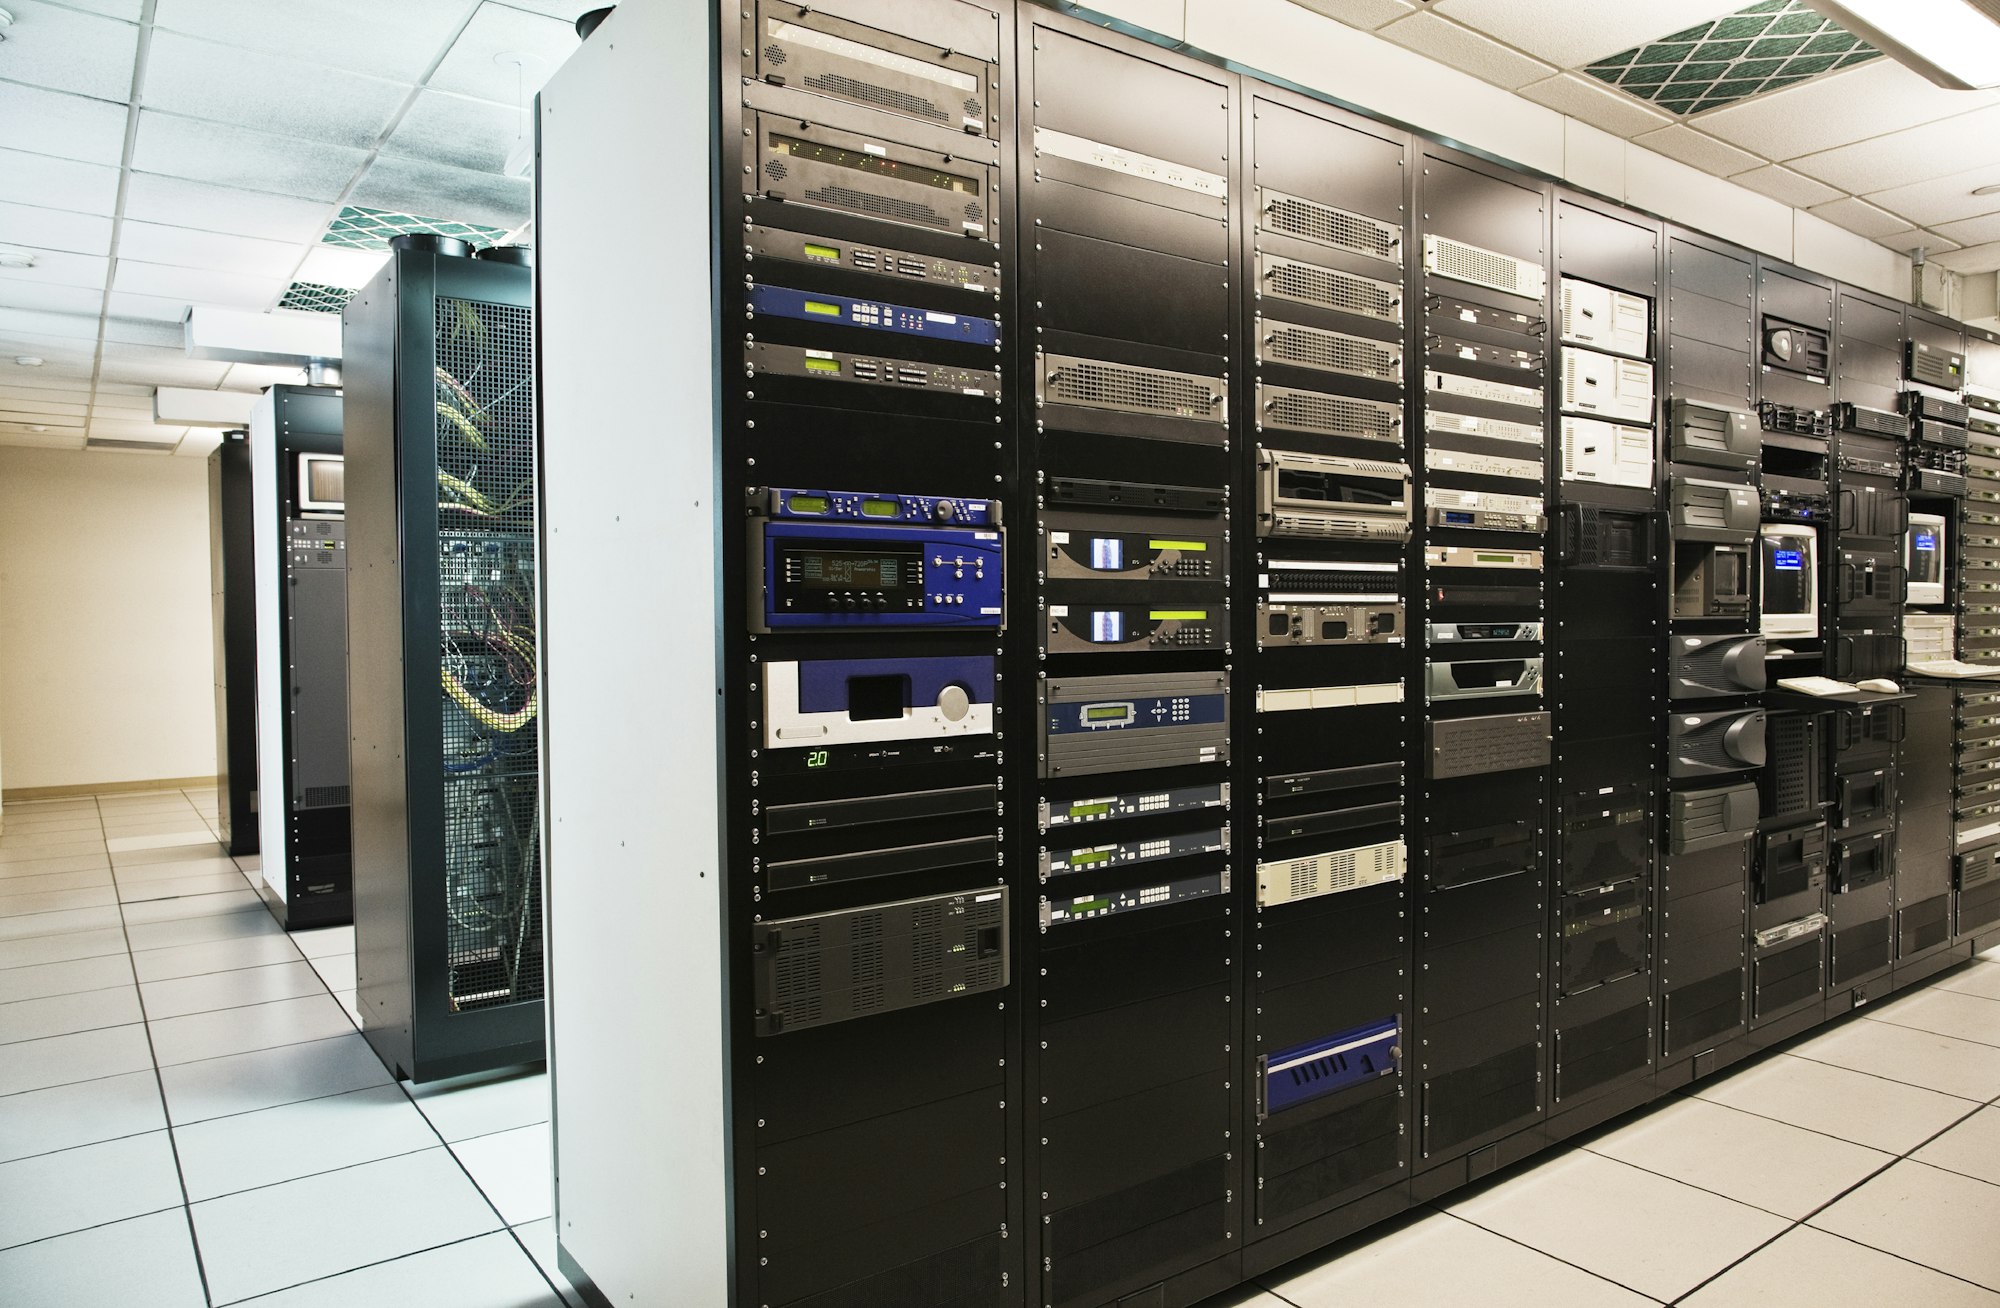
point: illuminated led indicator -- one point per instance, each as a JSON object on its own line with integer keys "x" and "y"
{"x": 1088, "y": 810}
{"x": 826, "y": 252}
{"x": 821, "y": 307}
{"x": 1107, "y": 713}
{"x": 823, "y": 365}
{"x": 1185, "y": 546}
{"x": 1085, "y": 857}
{"x": 1181, "y": 615}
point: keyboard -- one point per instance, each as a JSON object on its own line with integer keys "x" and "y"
{"x": 1818, "y": 686}
{"x": 1953, "y": 668}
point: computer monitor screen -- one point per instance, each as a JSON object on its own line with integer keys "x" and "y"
{"x": 1789, "y": 564}
{"x": 322, "y": 483}
{"x": 1924, "y": 558}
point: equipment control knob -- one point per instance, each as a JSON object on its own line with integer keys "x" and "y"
{"x": 954, "y": 703}
{"x": 945, "y": 509}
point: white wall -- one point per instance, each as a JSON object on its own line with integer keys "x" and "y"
{"x": 106, "y": 659}
{"x": 1281, "y": 40}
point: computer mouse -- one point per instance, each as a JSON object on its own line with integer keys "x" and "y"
{"x": 1883, "y": 684}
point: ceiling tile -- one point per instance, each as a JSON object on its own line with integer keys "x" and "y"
{"x": 1972, "y": 231}
{"x": 53, "y": 441}
{"x": 165, "y": 371}
{"x": 1595, "y": 103}
{"x": 412, "y": 186}
{"x": 1860, "y": 217}
{"x": 1974, "y": 259}
{"x": 1878, "y": 97}
{"x": 34, "y": 396}
{"x": 1693, "y": 147}
{"x": 67, "y": 126}
{"x": 1466, "y": 50}
{"x": 55, "y": 299}
{"x": 1584, "y": 31}
{"x": 1943, "y": 199}
{"x": 387, "y": 38}
{"x": 1902, "y": 157}
{"x": 64, "y": 50}
{"x": 61, "y": 268}
{"x": 342, "y": 266}
{"x": 68, "y": 326}
{"x": 10, "y": 416}
{"x": 197, "y": 285}
{"x": 271, "y": 93}
{"x": 178, "y": 202}
{"x": 459, "y": 131}
{"x": 57, "y": 183}
{"x": 127, "y": 10}
{"x": 186, "y": 248}
{"x": 34, "y": 404}
{"x": 151, "y": 308}
{"x": 1734, "y": 57}
{"x": 235, "y": 156}
{"x": 54, "y": 229}
{"x": 1782, "y": 184}
{"x": 1365, "y": 14}
{"x": 470, "y": 67}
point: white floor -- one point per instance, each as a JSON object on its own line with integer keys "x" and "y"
{"x": 188, "y": 1118}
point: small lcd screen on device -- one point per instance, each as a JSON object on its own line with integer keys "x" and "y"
{"x": 1107, "y": 554}
{"x": 1925, "y": 540}
{"x": 326, "y": 482}
{"x": 1105, "y": 713}
{"x": 813, "y": 568}
{"x": 1107, "y": 627}
{"x": 1789, "y": 560}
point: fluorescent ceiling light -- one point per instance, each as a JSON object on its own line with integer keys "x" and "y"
{"x": 1955, "y": 43}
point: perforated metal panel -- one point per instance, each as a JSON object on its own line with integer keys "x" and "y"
{"x": 1469, "y": 263}
{"x": 1311, "y": 221}
{"x": 1328, "y": 288}
{"x": 487, "y": 652}
{"x": 1331, "y": 415}
{"x": 1325, "y": 351}
{"x": 1093, "y": 384}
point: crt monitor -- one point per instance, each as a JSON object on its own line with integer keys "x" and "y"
{"x": 1923, "y": 558}
{"x": 1787, "y": 574}
{"x": 322, "y": 483}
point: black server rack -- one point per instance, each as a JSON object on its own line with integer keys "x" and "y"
{"x": 441, "y": 631}
{"x": 313, "y": 799}
{"x": 1389, "y": 564}
{"x": 233, "y": 601}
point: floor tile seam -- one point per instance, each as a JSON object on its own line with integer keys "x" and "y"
{"x": 67, "y": 994}
{"x": 1887, "y": 1021}
{"x": 1693, "y": 1290}
{"x": 94, "y": 1226}
{"x": 109, "y": 1139}
{"x": 1815, "y": 1130}
{"x": 1943, "y": 989}
{"x": 514, "y": 1233}
{"x": 1889, "y": 1160}
{"x": 1900, "y": 1257}
{"x": 262, "y": 1003}
{"x": 245, "y": 1112}
{"x": 379, "y": 1262}
{"x": 254, "y": 1049}
{"x": 303, "y": 1176}
{"x": 477, "y": 1188}
{"x": 1555, "y": 1257}
{"x": 173, "y": 1145}
{"x": 487, "y": 1135}
{"x": 82, "y": 1080}
{"x": 57, "y": 1035}
{"x": 1914, "y": 1085}
{"x": 112, "y": 953}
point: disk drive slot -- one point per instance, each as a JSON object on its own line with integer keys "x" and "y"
{"x": 883, "y": 261}
{"x": 1605, "y": 386}
{"x": 826, "y": 168}
{"x": 1722, "y": 511}
{"x": 1462, "y": 262}
{"x": 1607, "y": 453}
{"x": 1079, "y": 908}
{"x": 1303, "y": 699}
{"x": 1332, "y": 780}
{"x": 1483, "y": 465}
{"x": 765, "y": 360}
{"x": 1448, "y": 308}
{"x": 798, "y": 46}
{"x": 1140, "y": 392}
{"x": 1318, "y": 1068}
{"x": 1138, "y": 495}
{"x": 1464, "y": 424}
{"x": 1613, "y": 321}
{"x": 833, "y": 967}
{"x": 1096, "y": 858}
{"x": 1132, "y": 629}
{"x": 1483, "y": 510}
{"x": 1093, "y": 725}
{"x": 1323, "y": 224}
{"x": 1478, "y": 633}
{"x": 1327, "y": 351}
{"x": 1328, "y": 415}
{"x": 822, "y": 702}
{"x": 1465, "y": 747}
{"x": 1280, "y": 624}
{"x": 871, "y": 315}
{"x": 1792, "y": 348}
{"x": 1331, "y": 496}
{"x": 1707, "y": 819}
{"x": 1486, "y": 853}
{"x": 1873, "y": 422}
{"x": 846, "y": 575}
{"x": 1288, "y": 880}
{"x": 1329, "y": 288}
{"x": 832, "y": 869}
{"x": 872, "y": 810}
{"x": 1294, "y": 580}
{"x": 1461, "y": 387}
{"x": 1482, "y": 678}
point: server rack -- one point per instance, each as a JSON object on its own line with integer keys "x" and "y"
{"x": 441, "y": 632}
{"x": 1288, "y": 923}
{"x": 303, "y": 789}
{"x": 233, "y": 602}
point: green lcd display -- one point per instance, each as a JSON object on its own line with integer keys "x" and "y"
{"x": 1105, "y": 713}
{"x": 807, "y": 504}
{"x": 823, "y": 365}
{"x": 1086, "y": 857}
{"x": 1088, "y": 810}
{"x": 826, "y": 252}
{"x": 823, "y": 308}
{"x": 880, "y": 508}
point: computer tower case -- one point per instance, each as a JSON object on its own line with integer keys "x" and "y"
{"x": 448, "y": 909}
{"x": 233, "y": 602}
